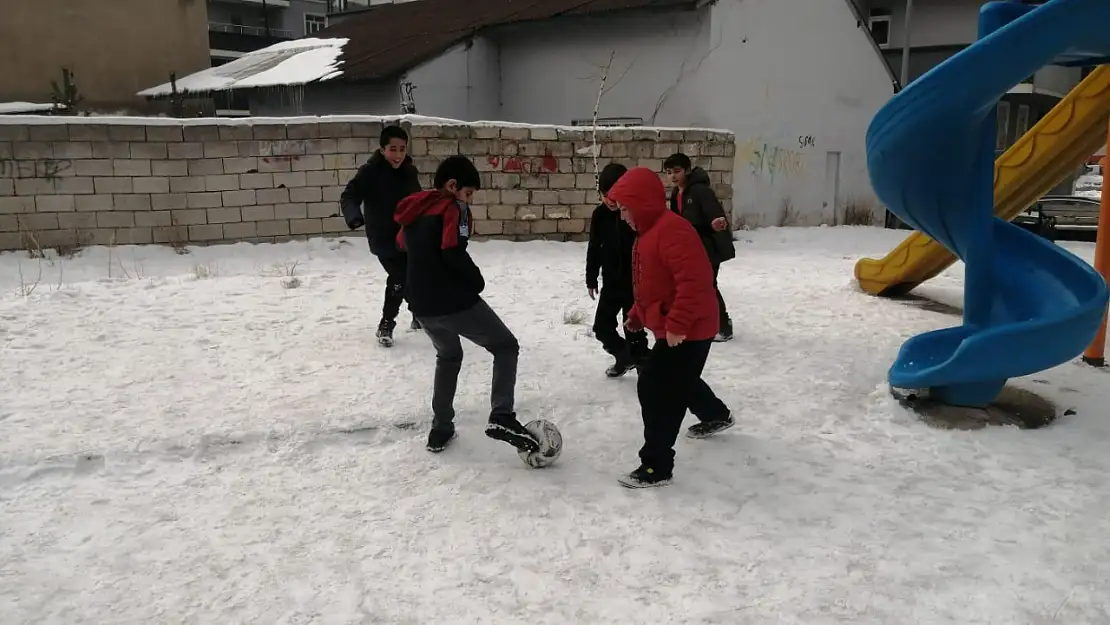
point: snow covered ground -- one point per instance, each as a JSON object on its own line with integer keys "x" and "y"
{"x": 184, "y": 439}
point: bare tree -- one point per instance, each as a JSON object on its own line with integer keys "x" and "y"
{"x": 594, "y": 148}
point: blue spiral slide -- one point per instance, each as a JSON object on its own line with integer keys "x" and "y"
{"x": 1028, "y": 304}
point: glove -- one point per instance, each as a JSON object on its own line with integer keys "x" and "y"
{"x": 354, "y": 222}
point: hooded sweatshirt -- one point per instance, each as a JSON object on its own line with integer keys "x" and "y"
{"x": 442, "y": 277}
{"x": 671, "y": 275}
{"x": 373, "y": 194}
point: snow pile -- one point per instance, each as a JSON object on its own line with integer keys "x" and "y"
{"x": 287, "y": 63}
{"x": 192, "y": 439}
{"x": 17, "y": 108}
{"x": 1089, "y": 184}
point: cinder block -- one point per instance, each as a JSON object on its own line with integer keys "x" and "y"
{"x": 153, "y": 219}
{"x": 168, "y": 201}
{"x": 514, "y": 196}
{"x": 220, "y": 149}
{"x": 191, "y": 217}
{"x": 32, "y": 150}
{"x": 501, "y": 212}
{"x": 322, "y": 210}
{"x": 309, "y": 162}
{"x": 235, "y": 133}
{"x": 115, "y": 219}
{"x": 321, "y": 178}
{"x": 206, "y": 233}
{"x": 185, "y": 151}
{"x": 240, "y": 165}
{"x": 239, "y": 231}
{"x": 171, "y": 134}
{"x": 34, "y": 186}
{"x": 274, "y": 228}
{"x": 290, "y": 180}
{"x": 256, "y": 181}
{"x": 306, "y": 194}
{"x": 226, "y": 182}
{"x": 269, "y": 132}
{"x": 93, "y": 203}
{"x": 7, "y": 188}
{"x": 149, "y": 150}
{"x": 306, "y": 226}
{"x": 302, "y": 131}
{"x": 544, "y": 226}
{"x": 353, "y": 146}
{"x": 76, "y": 221}
{"x": 321, "y": 146}
{"x": 151, "y": 185}
{"x": 119, "y": 132}
{"x": 87, "y": 132}
{"x": 126, "y": 202}
{"x": 72, "y": 149}
{"x": 35, "y": 222}
{"x": 51, "y": 132}
{"x": 224, "y": 215}
{"x": 187, "y": 184}
{"x": 257, "y": 213}
{"x": 201, "y": 133}
{"x": 55, "y": 203}
{"x": 247, "y": 197}
{"x": 273, "y": 196}
{"x": 169, "y": 168}
{"x": 340, "y": 161}
{"x": 290, "y": 211}
{"x": 205, "y": 200}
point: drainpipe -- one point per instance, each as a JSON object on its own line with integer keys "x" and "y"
{"x": 266, "y": 18}
{"x": 906, "y": 44}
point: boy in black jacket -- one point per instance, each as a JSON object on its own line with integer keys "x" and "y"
{"x": 444, "y": 293}
{"x": 610, "y": 254}
{"x": 693, "y": 198}
{"x": 370, "y": 199}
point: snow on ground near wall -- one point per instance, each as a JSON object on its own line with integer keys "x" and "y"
{"x": 12, "y": 108}
{"x": 185, "y": 440}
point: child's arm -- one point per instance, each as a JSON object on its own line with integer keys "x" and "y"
{"x": 454, "y": 251}
{"x": 350, "y": 202}
{"x": 685, "y": 258}
{"x": 593, "y": 251}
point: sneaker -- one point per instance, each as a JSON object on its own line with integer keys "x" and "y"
{"x": 644, "y": 477}
{"x": 385, "y": 332}
{"x": 623, "y": 365}
{"x": 438, "y": 440}
{"x": 705, "y": 429}
{"x": 507, "y": 429}
{"x": 415, "y": 325}
{"x": 724, "y": 335}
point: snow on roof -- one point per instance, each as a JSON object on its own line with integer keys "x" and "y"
{"x": 287, "y": 63}
{"x": 13, "y": 108}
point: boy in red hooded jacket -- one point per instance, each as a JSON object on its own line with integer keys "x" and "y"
{"x": 676, "y": 300}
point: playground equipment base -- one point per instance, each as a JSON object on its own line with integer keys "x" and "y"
{"x": 1014, "y": 407}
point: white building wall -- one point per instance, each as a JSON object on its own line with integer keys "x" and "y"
{"x": 462, "y": 83}
{"x": 551, "y": 72}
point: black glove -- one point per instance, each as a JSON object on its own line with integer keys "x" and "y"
{"x": 354, "y": 222}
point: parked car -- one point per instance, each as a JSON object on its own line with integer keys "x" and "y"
{"x": 1053, "y": 215}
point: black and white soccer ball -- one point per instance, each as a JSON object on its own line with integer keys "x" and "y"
{"x": 551, "y": 444}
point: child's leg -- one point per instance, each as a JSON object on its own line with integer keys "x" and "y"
{"x": 605, "y": 322}
{"x": 672, "y": 376}
{"x": 637, "y": 341}
{"x": 480, "y": 325}
{"x": 449, "y": 357}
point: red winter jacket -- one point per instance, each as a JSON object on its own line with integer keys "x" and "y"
{"x": 671, "y": 274}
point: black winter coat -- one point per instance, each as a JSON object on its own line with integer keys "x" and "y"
{"x": 371, "y": 198}
{"x": 442, "y": 278}
{"x": 609, "y": 253}
{"x": 700, "y": 207}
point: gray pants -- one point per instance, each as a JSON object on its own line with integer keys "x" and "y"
{"x": 481, "y": 326}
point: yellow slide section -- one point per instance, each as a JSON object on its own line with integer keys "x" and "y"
{"x": 1062, "y": 141}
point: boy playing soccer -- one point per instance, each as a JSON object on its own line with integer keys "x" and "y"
{"x": 444, "y": 293}
{"x": 610, "y": 255}
{"x": 387, "y": 177}
{"x": 675, "y": 299}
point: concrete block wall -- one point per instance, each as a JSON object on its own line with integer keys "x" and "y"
{"x": 103, "y": 181}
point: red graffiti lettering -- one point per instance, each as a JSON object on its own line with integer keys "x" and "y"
{"x": 534, "y": 165}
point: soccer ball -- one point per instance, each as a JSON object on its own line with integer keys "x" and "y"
{"x": 551, "y": 444}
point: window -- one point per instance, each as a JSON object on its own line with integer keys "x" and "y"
{"x": 314, "y": 23}
{"x": 879, "y": 24}
{"x": 1001, "y": 142}
{"x": 336, "y": 6}
{"x": 1022, "y": 120}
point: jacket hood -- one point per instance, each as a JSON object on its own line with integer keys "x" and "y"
{"x": 432, "y": 201}
{"x": 697, "y": 175}
{"x": 642, "y": 193}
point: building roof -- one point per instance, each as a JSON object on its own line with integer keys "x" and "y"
{"x": 389, "y": 39}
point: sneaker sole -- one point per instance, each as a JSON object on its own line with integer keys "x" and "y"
{"x": 628, "y": 482}
{"x": 384, "y": 342}
{"x": 436, "y": 450}
{"x": 505, "y": 435}
{"x": 695, "y": 435}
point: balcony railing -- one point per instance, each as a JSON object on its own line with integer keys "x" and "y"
{"x": 254, "y": 31}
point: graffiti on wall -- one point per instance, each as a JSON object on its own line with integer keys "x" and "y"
{"x": 285, "y": 150}
{"x": 40, "y": 168}
{"x": 769, "y": 162}
{"x": 526, "y": 165}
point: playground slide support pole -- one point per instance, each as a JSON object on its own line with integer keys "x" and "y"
{"x": 1096, "y": 351}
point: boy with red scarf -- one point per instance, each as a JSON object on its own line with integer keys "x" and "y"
{"x": 676, "y": 300}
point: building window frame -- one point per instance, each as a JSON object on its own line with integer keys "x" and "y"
{"x": 877, "y": 17}
{"x": 1002, "y": 139}
{"x": 314, "y": 23}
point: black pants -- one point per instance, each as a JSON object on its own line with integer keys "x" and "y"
{"x": 722, "y": 310}
{"x": 670, "y": 384}
{"x": 480, "y": 325}
{"x": 396, "y": 268}
{"x": 615, "y": 302}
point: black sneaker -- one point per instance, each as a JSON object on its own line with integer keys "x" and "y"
{"x": 705, "y": 429}
{"x": 507, "y": 429}
{"x": 438, "y": 440}
{"x": 644, "y": 477}
{"x": 724, "y": 335}
{"x": 623, "y": 365}
{"x": 385, "y": 332}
